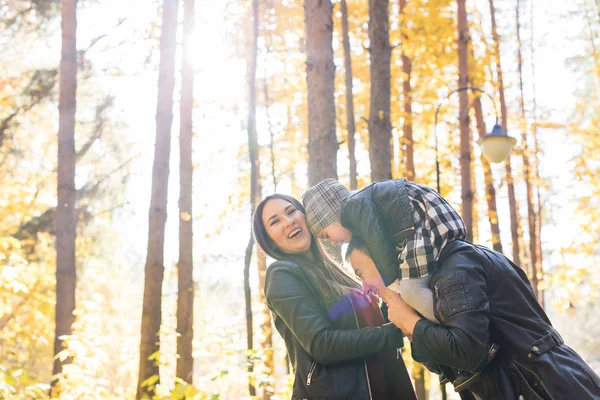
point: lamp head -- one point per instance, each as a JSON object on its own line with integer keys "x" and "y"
{"x": 496, "y": 145}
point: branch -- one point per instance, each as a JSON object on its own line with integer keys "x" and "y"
{"x": 98, "y": 129}
{"x": 98, "y": 38}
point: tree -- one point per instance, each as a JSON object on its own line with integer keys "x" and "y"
{"x": 66, "y": 217}
{"x": 154, "y": 269}
{"x": 185, "y": 265}
{"x": 536, "y": 161}
{"x": 322, "y": 141}
{"x": 490, "y": 191}
{"x": 349, "y": 96}
{"x": 407, "y": 142}
{"x": 531, "y": 217}
{"x": 512, "y": 201}
{"x": 380, "y": 127}
{"x": 463, "y": 118}
{"x": 254, "y": 185}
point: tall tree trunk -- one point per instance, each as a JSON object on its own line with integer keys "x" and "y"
{"x": 66, "y": 217}
{"x": 349, "y": 96}
{"x": 418, "y": 373}
{"x": 254, "y": 184}
{"x": 380, "y": 127}
{"x": 536, "y": 160}
{"x": 249, "y": 319}
{"x": 490, "y": 191}
{"x": 271, "y": 134}
{"x": 526, "y": 167}
{"x": 185, "y": 266}
{"x": 266, "y": 328}
{"x": 463, "y": 118}
{"x": 322, "y": 141}
{"x": 475, "y": 201}
{"x": 154, "y": 269}
{"x": 512, "y": 201}
{"x": 407, "y": 144}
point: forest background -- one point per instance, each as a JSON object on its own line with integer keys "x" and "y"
{"x": 127, "y": 269}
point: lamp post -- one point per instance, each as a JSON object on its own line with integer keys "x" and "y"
{"x": 495, "y": 145}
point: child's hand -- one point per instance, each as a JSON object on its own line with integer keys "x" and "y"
{"x": 400, "y": 313}
{"x": 373, "y": 299}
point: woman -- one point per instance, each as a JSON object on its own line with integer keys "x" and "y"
{"x": 330, "y": 328}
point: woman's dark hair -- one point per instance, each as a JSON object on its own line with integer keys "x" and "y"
{"x": 332, "y": 280}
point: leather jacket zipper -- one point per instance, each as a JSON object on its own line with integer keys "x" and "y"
{"x": 310, "y": 373}
{"x": 364, "y": 360}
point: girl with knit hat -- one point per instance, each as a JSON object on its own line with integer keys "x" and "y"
{"x": 404, "y": 226}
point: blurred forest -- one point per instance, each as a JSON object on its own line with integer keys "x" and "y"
{"x": 135, "y": 138}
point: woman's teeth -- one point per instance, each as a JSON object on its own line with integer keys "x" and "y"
{"x": 295, "y": 233}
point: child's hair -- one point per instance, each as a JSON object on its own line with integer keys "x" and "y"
{"x": 357, "y": 243}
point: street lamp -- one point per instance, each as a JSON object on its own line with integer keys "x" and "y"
{"x": 496, "y": 145}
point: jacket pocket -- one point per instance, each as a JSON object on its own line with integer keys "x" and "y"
{"x": 452, "y": 295}
{"x": 319, "y": 380}
{"x": 331, "y": 382}
{"x": 528, "y": 383}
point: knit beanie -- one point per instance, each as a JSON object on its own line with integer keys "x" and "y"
{"x": 323, "y": 204}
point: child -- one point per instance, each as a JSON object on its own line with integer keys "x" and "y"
{"x": 404, "y": 225}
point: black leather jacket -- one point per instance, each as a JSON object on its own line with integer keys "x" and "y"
{"x": 481, "y": 297}
{"x": 362, "y": 213}
{"x": 325, "y": 348}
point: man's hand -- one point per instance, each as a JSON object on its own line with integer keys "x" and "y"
{"x": 399, "y": 313}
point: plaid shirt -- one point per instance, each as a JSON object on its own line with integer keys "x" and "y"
{"x": 436, "y": 224}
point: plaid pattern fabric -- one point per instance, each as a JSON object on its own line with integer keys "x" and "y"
{"x": 436, "y": 224}
{"x": 323, "y": 204}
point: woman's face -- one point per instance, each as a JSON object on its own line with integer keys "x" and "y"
{"x": 286, "y": 226}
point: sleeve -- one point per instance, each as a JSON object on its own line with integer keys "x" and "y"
{"x": 294, "y": 302}
{"x": 462, "y": 339}
{"x": 416, "y": 293}
{"x": 362, "y": 217}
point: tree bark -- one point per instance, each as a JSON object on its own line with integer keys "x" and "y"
{"x": 463, "y": 118}
{"x": 249, "y": 319}
{"x": 254, "y": 184}
{"x": 185, "y": 266}
{"x": 380, "y": 127}
{"x": 407, "y": 144}
{"x": 66, "y": 221}
{"x": 418, "y": 372}
{"x": 266, "y": 328}
{"x": 271, "y": 135}
{"x": 154, "y": 268}
{"x": 490, "y": 190}
{"x": 512, "y": 201}
{"x": 536, "y": 160}
{"x": 322, "y": 141}
{"x": 349, "y": 96}
{"x": 526, "y": 165}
